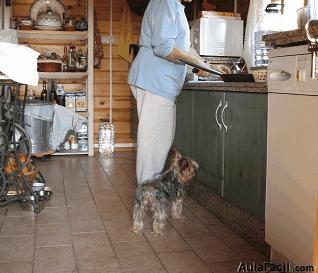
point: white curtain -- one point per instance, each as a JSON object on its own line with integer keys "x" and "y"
{"x": 255, "y": 12}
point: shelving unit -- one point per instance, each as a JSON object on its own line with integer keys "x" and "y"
{"x": 63, "y": 75}
{"x": 71, "y": 153}
{"x": 85, "y": 38}
{"x": 53, "y": 35}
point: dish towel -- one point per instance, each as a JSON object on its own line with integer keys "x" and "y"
{"x": 19, "y": 63}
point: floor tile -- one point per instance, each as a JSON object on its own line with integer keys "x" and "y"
{"x": 148, "y": 271}
{"x": 16, "y": 210}
{"x": 183, "y": 262}
{"x": 121, "y": 231}
{"x": 227, "y": 235}
{"x": 190, "y": 226}
{"x": 54, "y": 260}
{"x": 225, "y": 267}
{"x": 204, "y": 216}
{"x": 16, "y": 226}
{"x": 16, "y": 268}
{"x": 17, "y": 249}
{"x": 57, "y": 199}
{"x": 190, "y": 202}
{"x": 56, "y": 215}
{"x": 105, "y": 265}
{"x": 92, "y": 245}
{"x": 53, "y": 235}
{"x": 211, "y": 249}
{"x": 85, "y": 219}
{"x": 249, "y": 254}
{"x": 170, "y": 241}
{"x": 136, "y": 256}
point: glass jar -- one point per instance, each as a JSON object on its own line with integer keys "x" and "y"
{"x": 106, "y": 137}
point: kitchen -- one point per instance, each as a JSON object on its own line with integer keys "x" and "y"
{"x": 250, "y": 197}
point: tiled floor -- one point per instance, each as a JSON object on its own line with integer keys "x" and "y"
{"x": 85, "y": 228}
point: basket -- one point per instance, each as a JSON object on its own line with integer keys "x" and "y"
{"x": 259, "y": 74}
{"x": 69, "y": 28}
{"x": 25, "y": 27}
{"x": 49, "y": 66}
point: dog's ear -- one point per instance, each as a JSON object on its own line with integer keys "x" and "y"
{"x": 196, "y": 164}
{"x": 183, "y": 163}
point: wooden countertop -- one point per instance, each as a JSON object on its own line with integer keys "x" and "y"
{"x": 288, "y": 38}
{"x": 244, "y": 87}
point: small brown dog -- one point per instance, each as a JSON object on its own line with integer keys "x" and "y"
{"x": 165, "y": 193}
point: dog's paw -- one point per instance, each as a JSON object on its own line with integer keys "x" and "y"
{"x": 157, "y": 232}
{"x": 134, "y": 230}
{"x": 178, "y": 217}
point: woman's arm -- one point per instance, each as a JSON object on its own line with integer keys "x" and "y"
{"x": 194, "y": 57}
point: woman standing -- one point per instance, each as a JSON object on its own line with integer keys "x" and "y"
{"x": 156, "y": 79}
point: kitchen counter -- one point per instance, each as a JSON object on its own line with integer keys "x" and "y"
{"x": 248, "y": 87}
{"x": 287, "y": 38}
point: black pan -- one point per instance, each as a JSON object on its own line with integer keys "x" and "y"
{"x": 225, "y": 77}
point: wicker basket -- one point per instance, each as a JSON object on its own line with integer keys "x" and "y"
{"x": 260, "y": 74}
{"x": 49, "y": 66}
{"x": 25, "y": 27}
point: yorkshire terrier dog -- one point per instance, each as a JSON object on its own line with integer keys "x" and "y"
{"x": 172, "y": 157}
{"x": 164, "y": 195}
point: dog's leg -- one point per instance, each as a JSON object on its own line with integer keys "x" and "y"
{"x": 176, "y": 209}
{"x": 159, "y": 219}
{"x": 139, "y": 213}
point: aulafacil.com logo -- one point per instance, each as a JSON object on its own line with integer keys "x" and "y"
{"x": 269, "y": 267}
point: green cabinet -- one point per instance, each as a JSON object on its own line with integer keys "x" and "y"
{"x": 226, "y": 133}
{"x": 208, "y": 139}
{"x": 184, "y": 124}
{"x": 245, "y": 151}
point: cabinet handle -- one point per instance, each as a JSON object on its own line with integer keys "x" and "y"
{"x": 222, "y": 116}
{"x": 216, "y": 115}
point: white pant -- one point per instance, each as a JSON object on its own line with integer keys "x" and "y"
{"x": 156, "y": 129}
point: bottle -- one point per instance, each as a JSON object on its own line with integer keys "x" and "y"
{"x": 106, "y": 138}
{"x": 60, "y": 93}
{"x": 44, "y": 92}
{"x": 53, "y": 94}
{"x": 64, "y": 59}
{"x": 269, "y": 23}
{"x": 82, "y": 60}
{"x": 72, "y": 59}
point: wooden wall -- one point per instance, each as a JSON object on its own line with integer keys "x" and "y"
{"x": 121, "y": 90}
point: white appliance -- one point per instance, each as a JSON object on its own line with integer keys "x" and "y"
{"x": 217, "y": 36}
{"x": 292, "y": 157}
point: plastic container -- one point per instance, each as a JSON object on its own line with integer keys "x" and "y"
{"x": 269, "y": 23}
{"x": 106, "y": 138}
{"x": 302, "y": 17}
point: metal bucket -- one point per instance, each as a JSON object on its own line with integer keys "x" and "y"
{"x": 39, "y": 127}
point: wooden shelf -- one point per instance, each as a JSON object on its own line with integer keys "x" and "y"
{"x": 63, "y": 75}
{"x": 53, "y": 35}
{"x": 70, "y": 153}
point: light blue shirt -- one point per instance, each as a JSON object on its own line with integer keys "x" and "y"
{"x": 164, "y": 26}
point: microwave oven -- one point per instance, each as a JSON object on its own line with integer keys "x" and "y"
{"x": 217, "y": 36}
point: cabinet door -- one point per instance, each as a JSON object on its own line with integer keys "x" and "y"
{"x": 184, "y": 123}
{"x": 208, "y": 139}
{"x": 245, "y": 151}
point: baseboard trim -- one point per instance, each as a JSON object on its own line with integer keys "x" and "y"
{"x": 241, "y": 222}
{"x": 121, "y": 145}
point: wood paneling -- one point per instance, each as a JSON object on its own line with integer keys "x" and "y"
{"x": 121, "y": 90}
